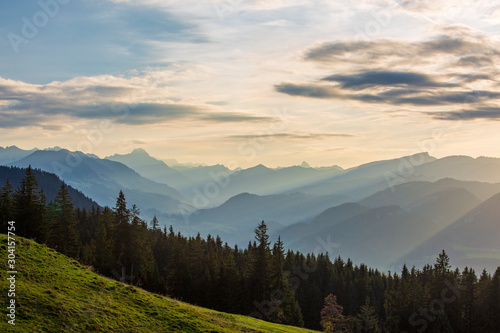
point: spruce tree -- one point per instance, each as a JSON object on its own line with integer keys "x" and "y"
{"x": 366, "y": 320}
{"x": 154, "y": 223}
{"x": 62, "y": 234}
{"x": 105, "y": 260}
{"x": 494, "y": 302}
{"x": 287, "y": 310}
{"x": 29, "y": 208}
{"x": 139, "y": 249}
{"x": 260, "y": 274}
{"x": 122, "y": 235}
{"x": 6, "y": 205}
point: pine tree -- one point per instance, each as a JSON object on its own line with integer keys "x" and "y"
{"x": 467, "y": 300}
{"x": 122, "y": 235}
{"x": 6, "y": 205}
{"x": 63, "y": 234}
{"x": 287, "y": 310}
{"x": 29, "y": 208}
{"x": 443, "y": 276}
{"x": 494, "y": 302}
{"x": 105, "y": 260}
{"x": 366, "y": 320}
{"x": 481, "y": 306}
{"x": 139, "y": 249}
{"x": 154, "y": 223}
{"x": 260, "y": 274}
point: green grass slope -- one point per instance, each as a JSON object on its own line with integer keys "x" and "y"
{"x": 56, "y": 294}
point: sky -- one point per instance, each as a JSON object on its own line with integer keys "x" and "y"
{"x": 247, "y": 82}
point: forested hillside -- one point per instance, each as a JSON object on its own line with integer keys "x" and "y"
{"x": 262, "y": 280}
{"x": 57, "y": 294}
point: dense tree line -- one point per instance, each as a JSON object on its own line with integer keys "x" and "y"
{"x": 46, "y": 180}
{"x": 263, "y": 279}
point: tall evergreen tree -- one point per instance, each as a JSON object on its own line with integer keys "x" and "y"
{"x": 105, "y": 259}
{"x": 287, "y": 310}
{"x": 467, "y": 300}
{"x": 154, "y": 223}
{"x": 29, "y": 208}
{"x": 139, "y": 249}
{"x": 62, "y": 234}
{"x": 494, "y": 302}
{"x": 260, "y": 274}
{"x": 6, "y": 205}
{"x": 122, "y": 236}
{"x": 367, "y": 321}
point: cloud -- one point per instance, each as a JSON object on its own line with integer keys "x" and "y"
{"x": 306, "y": 90}
{"x": 307, "y": 136}
{"x": 130, "y": 101}
{"x": 457, "y": 68}
{"x": 383, "y": 78}
{"x": 475, "y": 61}
{"x": 278, "y": 23}
{"x": 461, "y": 43}
{"x": 488, "y": 113}
{"x": 225, "y": 117}
{"x": 411, "y": 96}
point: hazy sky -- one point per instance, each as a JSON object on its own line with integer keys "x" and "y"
{"x": 246, "y": 82}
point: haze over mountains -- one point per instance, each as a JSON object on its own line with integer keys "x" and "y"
{"x": 382, "y": 213}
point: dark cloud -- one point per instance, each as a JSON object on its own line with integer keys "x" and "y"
{"x": 106, "y": 91}
{"x": 444, "y": 44}
{"x": 475, "y": 61}
{"x": 306, "y": 90}
{"x": 225, "y": 117}
{"x": 328, "y": 51}
{"x": 412, "y": 96}
{"x": 489, "y": 113}
{"x": 383, "y": 78}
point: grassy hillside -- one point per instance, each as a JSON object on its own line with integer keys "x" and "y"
{"x": 56, "y": 294}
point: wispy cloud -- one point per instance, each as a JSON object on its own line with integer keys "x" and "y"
{"x": 301, "y": 136}
{"x": 128, "y": 101}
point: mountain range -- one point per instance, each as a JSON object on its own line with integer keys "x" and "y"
{"x": 102, "y": 180}
{"x": 381, "y": 213}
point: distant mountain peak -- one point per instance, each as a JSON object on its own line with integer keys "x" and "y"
{"x": 305, "y": 165}
{"x": 139, "y": 151}
{"x": 16, "y": 148}
{"x": 258, "y": 167}
{"x": 56, "y": 148}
